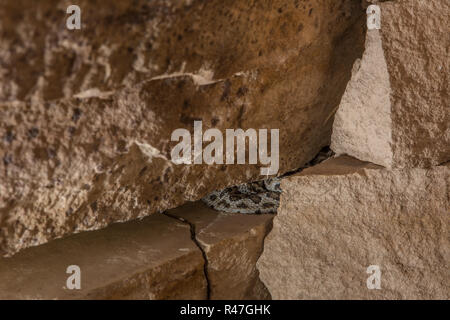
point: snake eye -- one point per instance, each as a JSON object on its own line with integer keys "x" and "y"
{"x": 256, "y": 199}
{"x": 267, "y": 205}
{"x": 242, "y": 206}
{"x": 234, "y": 198}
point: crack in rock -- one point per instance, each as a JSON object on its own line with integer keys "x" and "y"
{"x": 197, "y": 243}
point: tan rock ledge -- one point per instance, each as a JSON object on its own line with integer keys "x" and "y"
{"x": 339, "y": 218}
{"x": 154, "y": 258}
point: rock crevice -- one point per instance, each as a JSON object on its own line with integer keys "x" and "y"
{"x": 199, "y": 246}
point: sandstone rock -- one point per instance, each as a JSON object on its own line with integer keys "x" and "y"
{"x": 149, "y": 259}
{"x": 86, "y": 115}
{"x": 363, "y": 123}
{"x": 395, "y": 111}
{"x": 154, "y": 258}
{"x": 232, "y": 244}
{"x": 342, "y": 216}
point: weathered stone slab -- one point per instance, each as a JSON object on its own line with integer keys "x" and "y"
{"x": 232, "y": 244}
{"x": 395, "y": 111}
{"x": 86, "y": 115}
{"x": 342, "y": 216}
{"x": 154, "y": 258}
{"x": 149, "y": 259}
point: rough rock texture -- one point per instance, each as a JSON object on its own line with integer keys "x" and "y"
{"x": 340, "y": 217}
{"x": 363, "y": 124}
{"x": 395, "y": 111}
{"x": 154, "y": 258}
{"x": 149, "y": 259}
{"x": 86, "y": 115}
{"x": 232, "y": 244}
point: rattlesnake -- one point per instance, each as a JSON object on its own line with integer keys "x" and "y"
{"x": 256, "y": 197}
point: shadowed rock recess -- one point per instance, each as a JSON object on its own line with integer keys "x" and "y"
{"x": 86, "y": 115}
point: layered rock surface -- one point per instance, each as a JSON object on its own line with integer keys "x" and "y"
{"x": 232, "y": 244}
{"x": 342, "y": 216}
{"x": 86, "y": 115}
{"x": 149, "y": 259}
{"x": 396, "y": 109}
{"x": 154, "y": 258}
